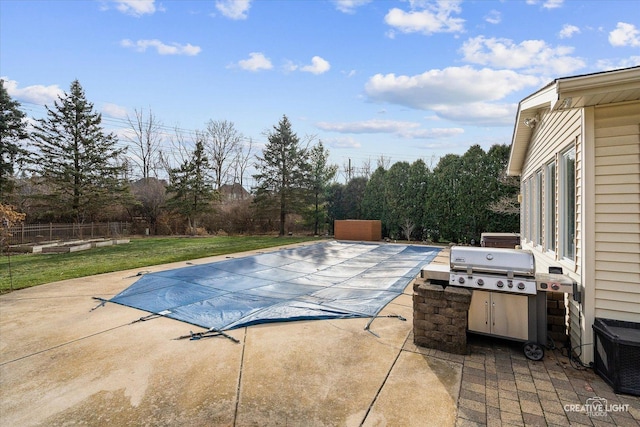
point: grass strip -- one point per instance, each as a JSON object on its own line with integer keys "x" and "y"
{"x": 35, "y": 269}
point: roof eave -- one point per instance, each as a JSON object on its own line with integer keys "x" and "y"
{"x": 544, "y": 99}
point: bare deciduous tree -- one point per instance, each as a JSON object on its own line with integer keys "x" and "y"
{"x": 407, "y": 228}
{"x": 243, "y": 155}
{"x": 383, "y": 162}
{"x": 366, "y": 168}
{"x": 180, "y": 149}
{"x": 145, "y": 139}
{"x": 222, "y": 141}
{"x": 507, "y": 204}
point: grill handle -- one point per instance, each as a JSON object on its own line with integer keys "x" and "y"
{"x": 493, "y": 313}
{"x": 486, "y": 312}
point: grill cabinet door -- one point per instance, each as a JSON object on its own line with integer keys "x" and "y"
{"x": 510, "y": 315}
{"x": 479, "y": 312}
{"x": 499, "y": 313}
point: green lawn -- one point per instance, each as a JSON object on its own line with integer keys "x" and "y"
{"x": 35, "y": 269}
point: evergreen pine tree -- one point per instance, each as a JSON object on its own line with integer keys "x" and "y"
{"x": 321, "y": 175}
{"x": 77, "y": 160}
{"x": 12, "y": 134}
{"x": 190, "y": 187}
{"x": 283, "y": 171}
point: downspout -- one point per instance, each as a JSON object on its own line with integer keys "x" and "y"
{"x": 588, "y": 223}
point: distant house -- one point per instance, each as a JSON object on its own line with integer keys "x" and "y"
{"x": 233, "y": 192}
{"x": 576, "y": 147}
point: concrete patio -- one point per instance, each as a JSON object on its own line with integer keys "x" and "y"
{"x": 63, "y": 364}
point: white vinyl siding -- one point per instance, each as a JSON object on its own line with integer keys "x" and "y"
{"x": 558, "y": 132}
{"x": 603, "y": 126}
{"x": 617, "y": 212}
{"x": 555, "y": 133}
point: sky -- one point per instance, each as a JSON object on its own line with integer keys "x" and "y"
{"x": 399, "y": 80}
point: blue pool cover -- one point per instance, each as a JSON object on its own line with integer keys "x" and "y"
{"x": 321, "y": 281}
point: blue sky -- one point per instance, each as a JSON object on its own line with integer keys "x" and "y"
{"x": 399, "y": 79}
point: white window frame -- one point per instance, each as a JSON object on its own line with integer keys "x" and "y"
{"x": 528, "y": 210}
{"x": 551, "y": 172}
{"x": 564, "y": 244}
{"x": 538, "y": 209}
{"x": 523, "y": 210}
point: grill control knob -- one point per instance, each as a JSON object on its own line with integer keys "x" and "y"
{"x": 521, "y": 286}
{"x": 500, "y": 284}
{"x": 555, "y": 286}
{"x": 461, "y": 280}
{"x": 480, "y": 282}
{"x": 510, "y": 284}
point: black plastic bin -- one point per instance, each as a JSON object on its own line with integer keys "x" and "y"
{"x": 617, "y": 354}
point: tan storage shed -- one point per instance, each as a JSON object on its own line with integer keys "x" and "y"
{"x": 356, "y": 229}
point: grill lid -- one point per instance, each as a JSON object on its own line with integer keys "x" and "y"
{"x": 510, "y": 262}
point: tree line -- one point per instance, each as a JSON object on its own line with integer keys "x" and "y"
{"x": 66, "y": 167}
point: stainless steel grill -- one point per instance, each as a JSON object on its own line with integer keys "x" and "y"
{"x": 493, "y": 269}
{"x": 509, "y": 298}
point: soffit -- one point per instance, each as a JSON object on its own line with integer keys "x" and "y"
{"x": 567, "y": 93}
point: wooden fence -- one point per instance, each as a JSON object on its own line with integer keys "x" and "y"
{"x": 34, "y": 233}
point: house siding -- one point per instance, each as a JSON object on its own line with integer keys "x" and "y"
{"x": 558, "y": 131}
{"x": 617, "y": 212}
{"x": 599, "y": 115}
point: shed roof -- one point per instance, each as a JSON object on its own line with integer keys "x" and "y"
{"x": 566, "y": 93}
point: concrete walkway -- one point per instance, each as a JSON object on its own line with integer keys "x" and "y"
{"x": 63, "y": 364}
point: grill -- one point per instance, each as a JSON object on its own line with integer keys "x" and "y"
{"x": 509, "y": 298}
{"x": 493, "y": 269}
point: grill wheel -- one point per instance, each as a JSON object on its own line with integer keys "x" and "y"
{"x": 533, "y": 351}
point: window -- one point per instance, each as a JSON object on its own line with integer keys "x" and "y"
{"x": 568, "y": 204}
{"x": 550, "y": 207}
{"x": 525, "y": 211}
{"x": 529, "y": 208}
{"x": 538, "y": 207}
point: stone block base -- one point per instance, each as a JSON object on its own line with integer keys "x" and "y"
{"x": 440, "y": 316}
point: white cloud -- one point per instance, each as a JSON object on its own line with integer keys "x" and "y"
{"x": 234, "y": 9}
{"x": 449, "y": 86}
{"x": 318, "y": 66}
{"x": 547, "y": 4}
{"x": 533, "y": 56}
{"x": 435, "y": 18}
{"x": 568, "y": 31}
{"x": 136, "y": 7}
{"x": 404, "y": 129}
{"x": 493, "y": 17}
{"x": 256, "y": 62}
{"x": 349, "y": 6}
{"x": 114, "y": 110}
{"x": 460, "y": 94}
{"x": 289, "y": 66}
{"x": 609, "y": 64}
{"x": 552, "y": 4}
{"x": 342, "y": 142}
{"x": 368, "y": 126}
{"x": 35, "y": 94}
{"x": 162, "y": 48}
{"x": 432, "y": 133}
{"x": 625, "y": 35}
{"x": 479, "y": 113}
